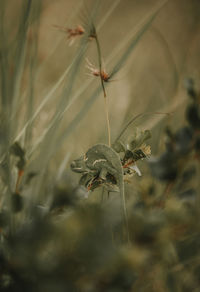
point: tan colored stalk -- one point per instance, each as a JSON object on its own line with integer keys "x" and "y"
{"x": 103, "y": 88}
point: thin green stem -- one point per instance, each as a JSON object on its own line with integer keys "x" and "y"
{"x": 107, "y": 120}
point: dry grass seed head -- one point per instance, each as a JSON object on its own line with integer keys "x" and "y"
{"x": 72, "y": 33}
{"x": 96, "y": 72}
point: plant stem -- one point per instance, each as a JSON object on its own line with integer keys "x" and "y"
{"x": 107, "y": 120}
{"x": 103, "y": 88}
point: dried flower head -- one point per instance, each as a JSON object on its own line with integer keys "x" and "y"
{"x": 72, "y": 32}
{"x": 146, "y": 149}
{"x": 130, "y": 157}
{"x": 96, "y": 72}
{"x": 77, "y": 31}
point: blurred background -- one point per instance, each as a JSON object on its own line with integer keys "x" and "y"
{"x": 58, "y": 108}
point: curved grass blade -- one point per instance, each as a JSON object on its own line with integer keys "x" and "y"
{"x": 168, "y": 54}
